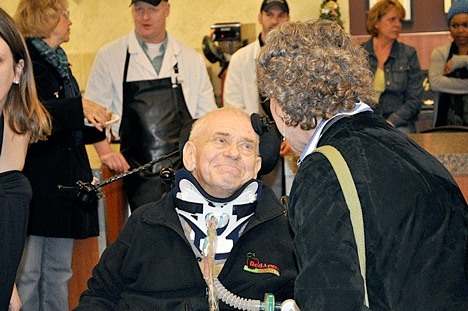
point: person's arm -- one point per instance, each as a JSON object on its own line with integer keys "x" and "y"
{"x": 232, "y": 93}
{"x": 15, "y": 302}
{"x": 107, "y": 283}
{"x": 13, "y": 150}
{"x": 458, "y": 61}
{"x": 100, "y": 89}
{"x": 437, "y": 79}
{"x": 114, "y": 160}
{"x": 412, "y": 95}
{"x": 204, "y": 92}
{"x": 104, "y": 85}
{"x": 96, "y": 114}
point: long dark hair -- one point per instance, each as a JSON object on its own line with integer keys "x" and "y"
{"x": 23, "y": 110}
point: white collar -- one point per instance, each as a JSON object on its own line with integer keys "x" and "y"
{"x": 313, "y": 142}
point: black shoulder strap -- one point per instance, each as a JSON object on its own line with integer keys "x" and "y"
{"x": 127, "y": 60}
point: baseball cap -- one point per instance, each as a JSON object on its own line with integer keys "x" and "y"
{"x": 268, "y": 4}
{"x": 153, "y": 2}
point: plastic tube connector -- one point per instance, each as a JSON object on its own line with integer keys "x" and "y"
{"x": 289, "y": 305}
{"x": 251, "y": 304}
{"x": 235, "y": 301}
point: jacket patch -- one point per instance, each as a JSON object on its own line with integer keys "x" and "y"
{"x": 254, "y": 265}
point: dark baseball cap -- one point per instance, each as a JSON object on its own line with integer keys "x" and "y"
{"x": 153, "y": 2}
{"x": 268, "y": 4}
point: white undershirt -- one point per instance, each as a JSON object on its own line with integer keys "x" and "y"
{"x": 153, "y": 49}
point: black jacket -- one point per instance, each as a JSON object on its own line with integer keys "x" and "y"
{"x": 61, "y": 160}
{"x": 415, "y": 223}
{"x": 152, "y": 266}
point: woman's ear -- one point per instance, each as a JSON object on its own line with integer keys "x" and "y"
{"x": 19, "y": 69}
{"x": 189, "y": 156}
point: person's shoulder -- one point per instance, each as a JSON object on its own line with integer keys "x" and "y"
{"x": 442, "y": 49}
{"x": 268, "y": 203}
{"x": 367, "y": 44}
{"x": 183, "y": 48}
{"x": 251, "y": 48}
{"x": 149, "y": 207}
{"x": 28, "y": 43}
{"x": 405, "y": 47}
{"x": 244, "y": 56}
{"x": 155, "y": 210}
{"x": 119, "y": 43}
{"x": 32, "y": 50}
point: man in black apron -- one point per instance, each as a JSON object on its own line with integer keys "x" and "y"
{"x": 153, "y": 114}
{"x": 138, "y": 78}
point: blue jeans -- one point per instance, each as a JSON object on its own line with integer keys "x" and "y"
{"x": 44, "y": 273}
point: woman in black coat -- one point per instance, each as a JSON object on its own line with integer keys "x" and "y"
{"x": 56, "y": 217}
{"x": 415, "y": 218}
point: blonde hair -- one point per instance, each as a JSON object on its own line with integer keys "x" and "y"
{"x": 379, "y": 9}
{"x": 314, "y": 70}
{"x": 37, "y": 18}
{"x": 24, "y": 111}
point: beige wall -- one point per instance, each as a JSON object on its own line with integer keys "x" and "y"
{"x": 96, "y": 22}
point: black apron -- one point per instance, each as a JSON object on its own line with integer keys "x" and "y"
{"x": 452, "y": 109}
{"x": 154, "y": 112}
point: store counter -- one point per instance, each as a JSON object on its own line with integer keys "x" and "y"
{"x": 451, "y": 149}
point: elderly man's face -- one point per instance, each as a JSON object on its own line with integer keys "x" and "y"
{"x": 225, "y": 156}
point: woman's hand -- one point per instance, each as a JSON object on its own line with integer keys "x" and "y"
{"x": 448, "y": 67}
{"x": 115, "y": 161}
{"x": 96, "y": 114}
{"x": 15, "y": 302}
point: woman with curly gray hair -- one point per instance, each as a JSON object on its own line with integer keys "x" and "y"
{"x": 415, "y": 217}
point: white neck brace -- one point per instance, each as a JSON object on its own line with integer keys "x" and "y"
{"x": 232, "y": 214}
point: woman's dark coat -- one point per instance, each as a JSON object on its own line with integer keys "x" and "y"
{"x": 61, "y": 160}
{"x": 415, "y": 223}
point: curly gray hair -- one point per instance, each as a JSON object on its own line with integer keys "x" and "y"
{"x": 314, "y": 70}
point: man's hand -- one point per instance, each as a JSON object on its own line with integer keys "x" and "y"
{"x": 96, "y": 114}
{"x": 115, "y": 161}
{"x": 15, "y": 302}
